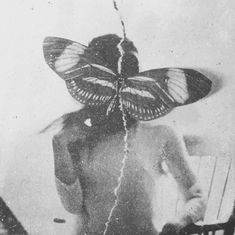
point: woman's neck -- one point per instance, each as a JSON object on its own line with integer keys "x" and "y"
{"x": 114, "y": 122}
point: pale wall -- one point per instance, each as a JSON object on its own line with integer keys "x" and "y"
{"x": 185, "y": 33}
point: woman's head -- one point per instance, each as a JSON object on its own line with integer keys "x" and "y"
{"x": 106, "y": 49}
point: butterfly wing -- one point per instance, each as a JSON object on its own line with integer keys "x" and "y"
{"x": 152, "y": 94}
{"x": 86, "y": 77}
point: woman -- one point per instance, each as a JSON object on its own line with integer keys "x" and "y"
{"x": 90, "y": 148}
{"x": 88, "y": 155}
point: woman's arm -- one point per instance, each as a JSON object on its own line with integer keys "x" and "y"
{"x": 175, "y": 154}
{"x": 67, "y": 181}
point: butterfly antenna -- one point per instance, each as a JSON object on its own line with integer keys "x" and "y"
{"x": 121, "y": 18}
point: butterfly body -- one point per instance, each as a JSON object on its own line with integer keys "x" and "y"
{"x": 106, "y": 72}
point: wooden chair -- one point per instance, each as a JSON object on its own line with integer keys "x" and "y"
{"x": 216, "y": 176}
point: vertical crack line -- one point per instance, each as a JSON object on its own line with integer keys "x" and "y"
{"x": 121, "y": 51}
{"x": 123, "y": 162}
{"x": 120, "y": 17}
{"x": 125, "y": 157}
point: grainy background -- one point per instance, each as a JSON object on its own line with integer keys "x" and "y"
{"x": 181, "y": 33}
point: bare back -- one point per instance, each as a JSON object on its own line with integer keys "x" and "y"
{"x": 95, "y": 172}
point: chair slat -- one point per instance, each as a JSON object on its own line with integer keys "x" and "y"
{"x": 225, "y": 187}
{"x": 219, "y": 179}
{"x": 229, "y": 196}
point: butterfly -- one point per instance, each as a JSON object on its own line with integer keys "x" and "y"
{"x": 106, "y": 72}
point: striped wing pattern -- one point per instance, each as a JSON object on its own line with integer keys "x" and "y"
{"x": 185, "y": 86}
{"x": 92, "y": 86}
{"x": 146, "y": 96}
{"x": 87, "y": 80}
{"x": 152, "y": 94}
{"x": 142, "y": 99}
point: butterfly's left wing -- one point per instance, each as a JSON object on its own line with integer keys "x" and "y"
{"x": 87, "y": 77}
{"x": 154, "y": 93}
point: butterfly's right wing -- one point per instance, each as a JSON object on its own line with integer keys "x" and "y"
{"x": 152, "y": 94}
{"x": 87, "y": 78}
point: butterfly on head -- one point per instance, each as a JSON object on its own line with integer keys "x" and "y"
{"x": 106, "y": 72}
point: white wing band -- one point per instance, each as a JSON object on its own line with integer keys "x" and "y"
{"x": 134, "y": 91}
{"x": 103, "y": 83}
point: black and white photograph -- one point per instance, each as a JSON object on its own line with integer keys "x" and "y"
{"x": 117, "y": 117}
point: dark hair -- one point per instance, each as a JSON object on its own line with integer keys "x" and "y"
{"x": 105, "y": 48}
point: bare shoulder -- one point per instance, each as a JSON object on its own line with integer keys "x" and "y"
{"x": 73, "y": 127}
{"x": 161, "y": 133}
